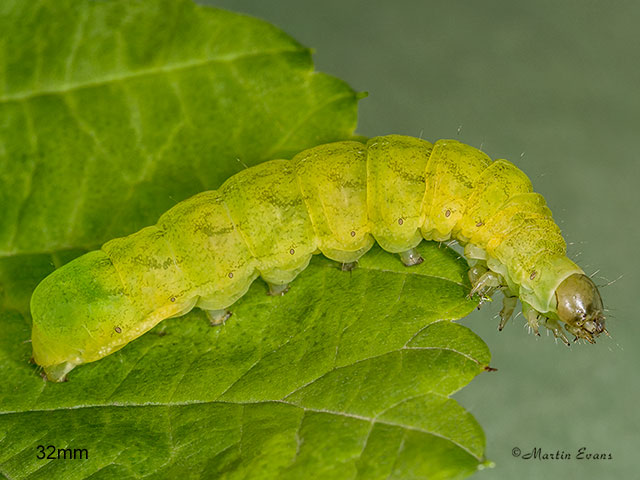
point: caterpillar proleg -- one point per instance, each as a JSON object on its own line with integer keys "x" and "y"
{"x": 335, "y": 199}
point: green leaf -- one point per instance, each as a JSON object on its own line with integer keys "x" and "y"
{"x": 110, "y": 113}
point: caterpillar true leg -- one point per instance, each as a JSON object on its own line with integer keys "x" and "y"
{"x": 532, "y": 316}
{"x": 411, "y": 257}
{"x": 277, "y": 290}
{"x": 556, "y": 328}
{"x": 509, "y": 303}
{"x": 218, "y": 317}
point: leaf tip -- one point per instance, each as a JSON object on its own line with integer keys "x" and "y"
{"x": 486, "y": 464}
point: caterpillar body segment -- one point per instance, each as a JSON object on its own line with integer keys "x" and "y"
{"x": 334, "y": 199}
{"x": 449, "y": 180}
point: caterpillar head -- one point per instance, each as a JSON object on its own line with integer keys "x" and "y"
{"x": 580, "y": 307}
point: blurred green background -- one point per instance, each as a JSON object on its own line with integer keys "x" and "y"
{"x": 554, "y": 87}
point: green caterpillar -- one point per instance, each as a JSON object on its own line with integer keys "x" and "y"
{"x": 333, "y": 199}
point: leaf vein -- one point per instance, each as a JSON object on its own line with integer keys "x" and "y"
{"x": 144, "y": 72}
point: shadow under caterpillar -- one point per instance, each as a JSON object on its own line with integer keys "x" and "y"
{"x": 335, "y": 199}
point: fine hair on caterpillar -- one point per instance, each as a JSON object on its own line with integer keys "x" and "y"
{"x": 336, "y": 199}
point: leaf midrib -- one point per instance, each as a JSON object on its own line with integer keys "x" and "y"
{"x": 370, "y": 419}
{"x": 217, "y": 400}
{"x": 168, "y": 68}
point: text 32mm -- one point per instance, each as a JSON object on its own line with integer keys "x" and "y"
{"x": 50, "y": 452}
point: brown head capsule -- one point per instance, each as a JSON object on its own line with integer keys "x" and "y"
{"x": 580, "y": 307}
